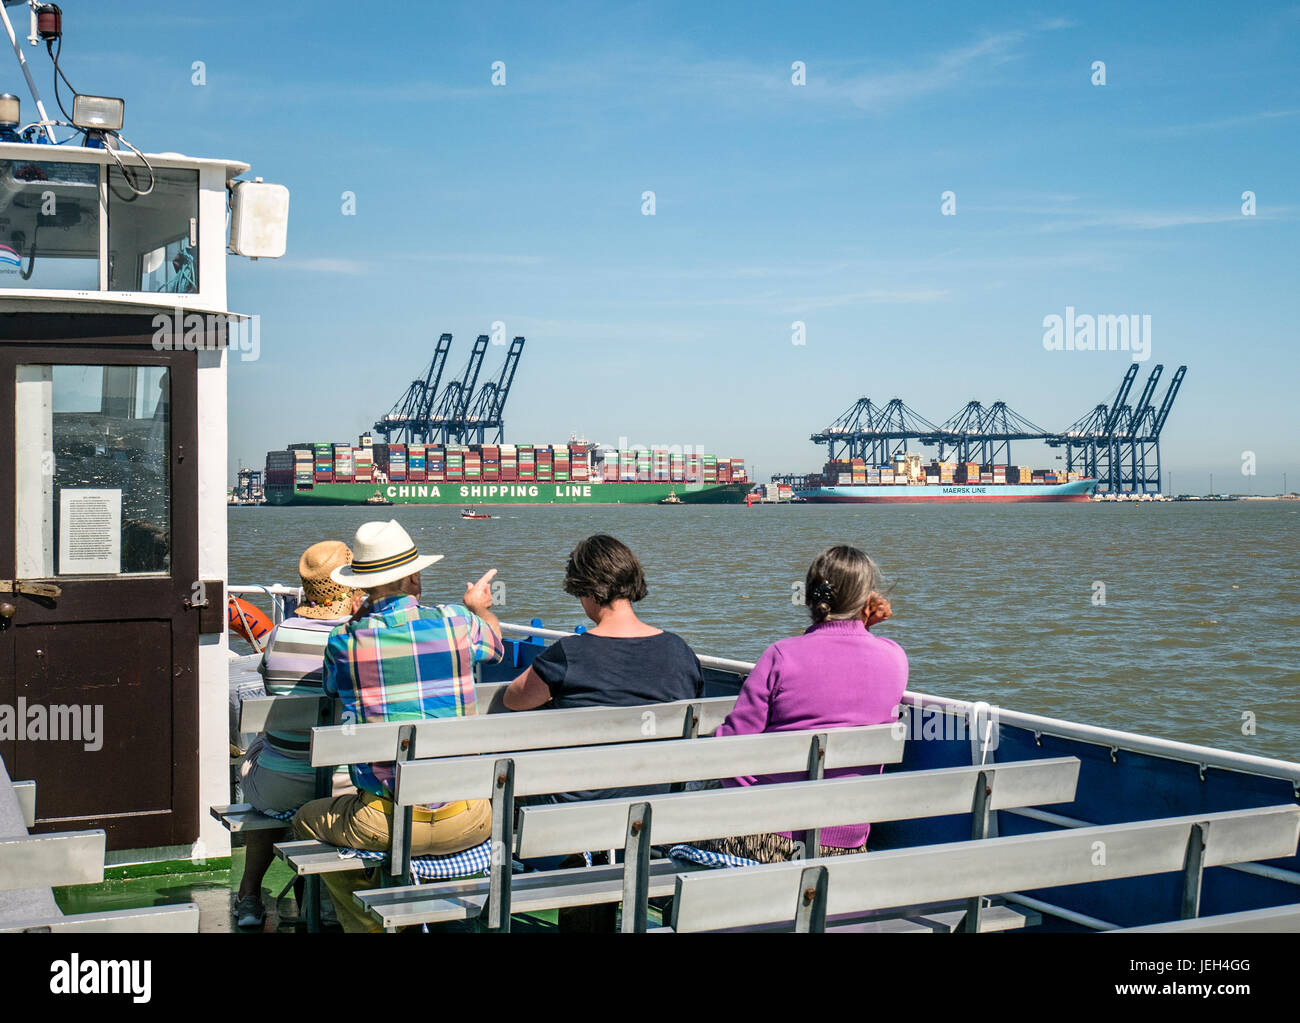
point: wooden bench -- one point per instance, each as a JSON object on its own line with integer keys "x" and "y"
{"x": 540, "y": 772}
{"x": 443, "y": 737}
{"x": 1273, "y": 920}
{"x": 808, "y": 893}
{"x": 301, "y": 713}
{"x": 634, "y": 824}
{"x": 29, "y": 863}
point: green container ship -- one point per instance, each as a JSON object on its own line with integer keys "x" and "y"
{"x": 525, "y": 474}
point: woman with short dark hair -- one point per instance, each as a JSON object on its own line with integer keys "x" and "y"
{"x": 620, "y": 661}
{"x": 835, "y": 675}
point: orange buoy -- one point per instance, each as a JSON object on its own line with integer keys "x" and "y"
{"x": 247, "y": 622}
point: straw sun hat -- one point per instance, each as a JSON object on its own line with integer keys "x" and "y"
{"x": 321, "y": 596}
{"x": 385, "y": 553}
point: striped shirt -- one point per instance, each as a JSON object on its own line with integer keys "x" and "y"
{"x": 293, "y": 665}
{"x": 405, "y": 662}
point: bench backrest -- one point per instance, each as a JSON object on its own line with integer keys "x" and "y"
{"x": 773, "y": 893}
{"x": 798, "y": 806}
{"x": 460, "y": 736}
{"x": 299, "y": 712}
{"x": 49, "y": 861}
{"x": 640, "y": 763}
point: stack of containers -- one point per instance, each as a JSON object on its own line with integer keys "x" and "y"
{"x": 677, "y": 468}
{"x": 947, "y": 470}
{"x": 416, "y": 466}
{"x": 999, "y": 475}
{"x": 693, "y": 471}
{"x": 724, "y": 471}
{"x": 968, "y": 472}
{"x": 324, "y": 465}
{"x": 887, "y": 474}
{"x": 454, "y": 470}
{"x": 473, "y": 465}
{"x": 873, "y": 475}
{"x": 280, "y": 466}
{"x": 509, "y": 463}
{"x": 710, "y": 468}
{"x": 527, "y": 463}
{"x": 435, "y": 463}
{"x": 562, "y": 463}
{"x": 932, "y": 473}
{"x": 986, "y": 473}
{"x": 858, "y": 468}
{"x": 1036, "y": 476}
{"x": 579, "y": 462}
{"x": 643, "y": 465}
{"x": 609, "y": 469}
{"x": 627, "y": 466}
{"x": 545, "y": 465}
{"x": 659, "y": 465}
{"x": 302, "y": 469}
{"x": 343, "y": 467}
{"x": 739, "y": 474}
{"x": 363, "y": 462}
{"x": 1072, "y": 477}
{"x": 397, "y": 462}
{"x": 491, "y": 454}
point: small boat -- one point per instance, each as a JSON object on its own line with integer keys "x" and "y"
{"x": 471, "y": 513}
{"x": 672, "y": 498}
{"x": 377, "y": 498}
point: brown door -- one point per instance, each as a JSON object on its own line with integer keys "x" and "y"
{"x": 98, "y": 497}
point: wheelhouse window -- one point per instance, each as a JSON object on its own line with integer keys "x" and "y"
{"x": 93, "y": 457}
{"x": 49, "y": 225}
{"x": 153, "y": 238}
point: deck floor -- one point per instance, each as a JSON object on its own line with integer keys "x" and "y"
{"x": 215, "y": 893}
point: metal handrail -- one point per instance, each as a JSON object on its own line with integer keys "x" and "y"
{"x": 1130, "y": 742}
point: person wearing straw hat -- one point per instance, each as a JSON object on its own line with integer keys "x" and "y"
{"x": 276, "y": 774}
{"x": 399, "y": 660}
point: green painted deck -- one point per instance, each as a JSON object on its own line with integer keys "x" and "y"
{"x": 215, "y": 892}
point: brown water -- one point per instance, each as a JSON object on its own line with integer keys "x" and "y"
{"x": 1199, "y": 627}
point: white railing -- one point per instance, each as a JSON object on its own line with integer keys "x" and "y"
{"x": 1117, "y": 741}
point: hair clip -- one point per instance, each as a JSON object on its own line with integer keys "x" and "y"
{"x": 824, "y": 592}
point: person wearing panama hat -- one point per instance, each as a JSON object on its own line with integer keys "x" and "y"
{"x": 276, "y": 773}
{"x": 398, "y": 660}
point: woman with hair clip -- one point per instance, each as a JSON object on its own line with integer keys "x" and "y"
{"x": 835, "y": 675}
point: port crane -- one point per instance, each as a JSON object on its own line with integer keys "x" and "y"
{"x": 1116, "y": 443}
{"x": 874, "y": 432}
{"x": 408, "y": 420}
{"x": 488, "y": 405}
{"x": 448, "y": 420}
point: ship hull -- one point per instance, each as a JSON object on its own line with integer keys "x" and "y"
{"x": 1080, "y": 490}
{"x": 462, "y": 494}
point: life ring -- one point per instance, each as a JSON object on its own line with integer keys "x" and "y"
{"x": 247, "y": 622}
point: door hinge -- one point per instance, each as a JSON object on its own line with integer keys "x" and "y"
{"x": 31, "y": 589}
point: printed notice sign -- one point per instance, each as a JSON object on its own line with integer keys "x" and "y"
{"x": 90, "y": 532}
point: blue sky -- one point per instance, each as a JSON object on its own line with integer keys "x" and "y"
{"x": 775, "y": 203}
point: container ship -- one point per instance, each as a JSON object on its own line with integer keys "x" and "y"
{"x": 463, "y": 474}
{"x": 852, "y": 481}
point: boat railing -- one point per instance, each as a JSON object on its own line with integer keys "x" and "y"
{"x": 977, "y": 714}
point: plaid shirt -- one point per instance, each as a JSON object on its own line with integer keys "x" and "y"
{"x": 404, "y": 662}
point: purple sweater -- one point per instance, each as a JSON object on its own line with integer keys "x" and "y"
{"x": 837, "y": 674}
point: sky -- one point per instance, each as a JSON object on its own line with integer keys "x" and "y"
{"x": 775, "y": 204}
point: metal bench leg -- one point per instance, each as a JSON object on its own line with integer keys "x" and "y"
{"x": 636, "y": 869}
{"x": 812, "y": 838}
{"x": 311, "y": 885}
{"x": 1194, "y": 870}
{"x": 503, "y": 845}
{"x": 979, "y": 829}
{"x": 810, "y": 916}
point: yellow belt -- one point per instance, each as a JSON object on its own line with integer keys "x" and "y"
{"x": 418, "y": 814}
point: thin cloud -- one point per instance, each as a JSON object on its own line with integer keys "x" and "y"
{"x": 1178, "y": 130}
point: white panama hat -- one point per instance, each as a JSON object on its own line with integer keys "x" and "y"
{"x": 383, "y": 552}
